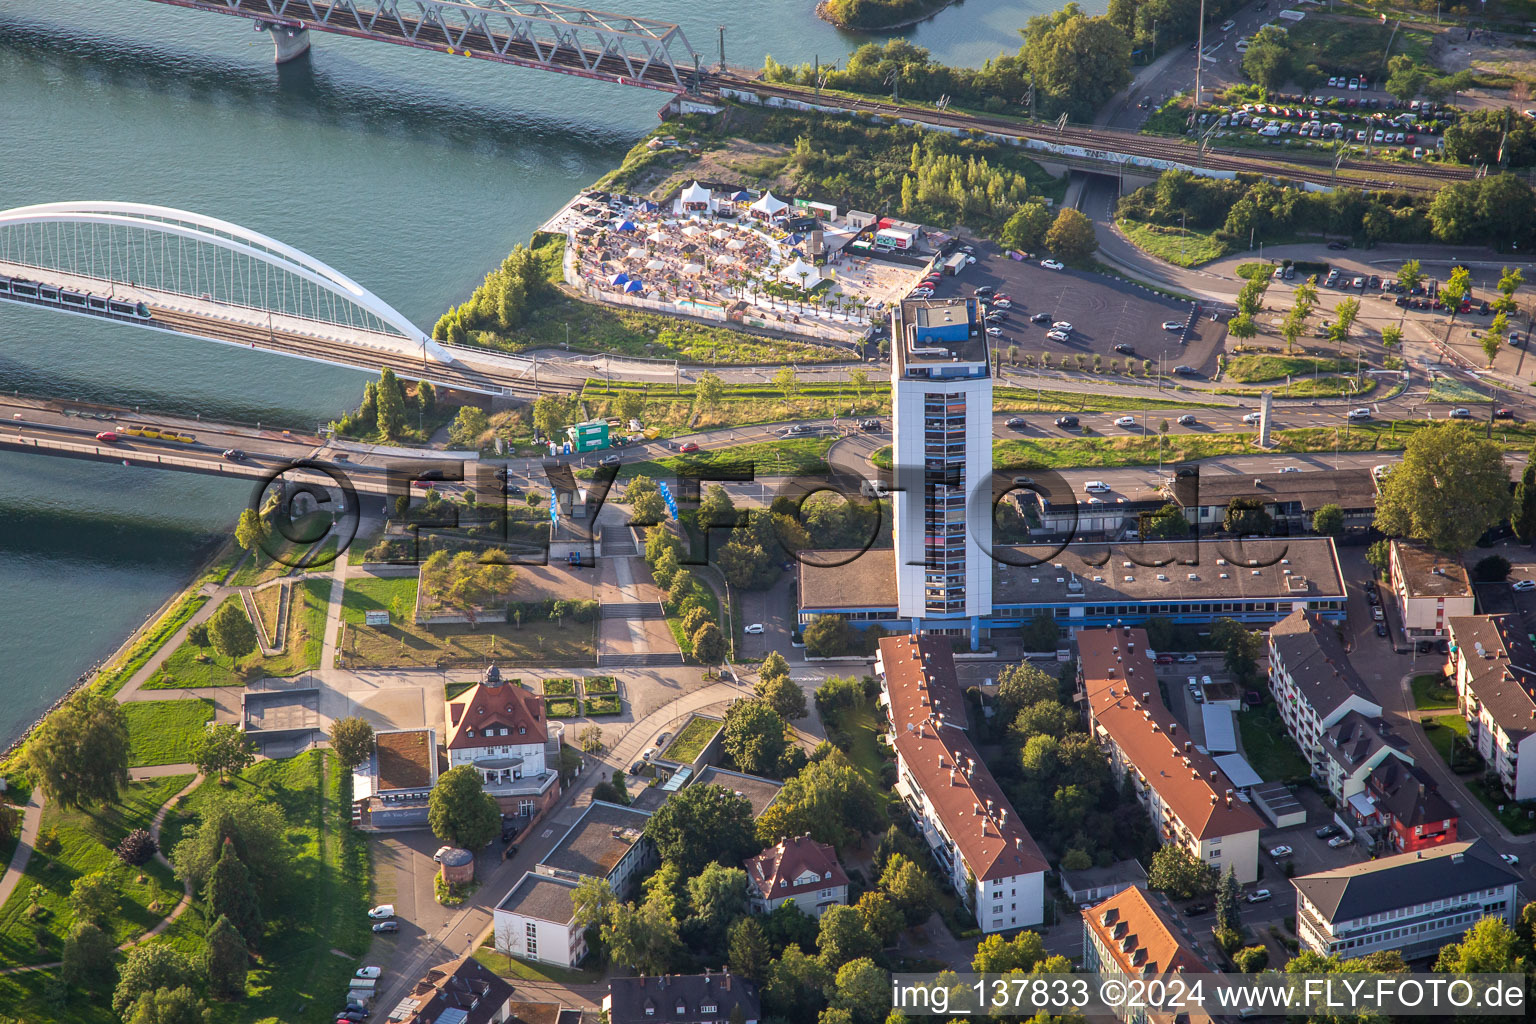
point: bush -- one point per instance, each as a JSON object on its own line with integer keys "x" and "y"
{"x": 136, "y": 848}
{"x": 1251, "y": 959}
{"x": 1491, "y": 569}
{"x": 602, "y": 705}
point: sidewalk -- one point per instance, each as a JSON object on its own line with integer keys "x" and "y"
{"x": 32, "y": 816}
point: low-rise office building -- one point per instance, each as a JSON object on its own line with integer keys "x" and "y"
{"x": 799, "y": 869}
{"x": 608, "y": 841}
{"x": 1402, "y": 803}
{"x": 1430, "y": 589}
{"x": 1128, "y": 938}
{"x": 708, "y": 998}
{"x": 1412, "y": 902}
{"x": 536, "y": 920}
{"x": 1091, "y": 885}
{"x": 1313, "y": 682}
{"x": 1291, "y": 499}
{"x": 977, "y": 839}
{"x": 1493, "y": 665}
{"x": 1190, "y": 800}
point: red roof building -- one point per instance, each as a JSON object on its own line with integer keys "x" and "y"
{"x": 969, "y": 824}
{"x": 798, "y": 869}
{"x": 500, "y": 729}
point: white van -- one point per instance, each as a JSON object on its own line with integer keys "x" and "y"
{"x": 1269, "y": 131}
{"x": 1096, "y": 487}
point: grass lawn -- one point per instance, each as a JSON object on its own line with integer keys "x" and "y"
{"x": 602, "y": 705}
{"x": 1256, "y": 271}
{"x": 527, "y": 970}
{"x": 1515, "y": 817}
{"x": 152, "y": 641}
{"x": 194, "y": 667}
{"x": 673, "y": 408}
{"x": 1181, "y": 248}
{"x": 165, "y": 731}
{"x": 600, "y": 684}
{"x": 267, "y": 602}
{"x": 286, "y": 554}
{"x": 1446, "y": 389}
{"x": 452, "y": 690}
{"x": 560, "y": 687}
{"x": 320, "y": 906}
{"x": 785, "y": 457}
{"x": 689, "y": 743}
{"x": 1326, "y": 387}
{"x": 1430, "y": 692}
{"x": 1442, "y": 731}
{"x": 864, "y": 748}
{"x": 395, "y": 594}
{"x": 1268, "y": 747}
{"x": 1252, "y": 369}
{"x": 85, "y": 842}
{"x": 566, "y": 707}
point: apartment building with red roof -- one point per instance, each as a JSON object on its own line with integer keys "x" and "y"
{"x": 1129, "y": 938}
{"x": 1190, "y": 800}
{"x": 972, "y": 829}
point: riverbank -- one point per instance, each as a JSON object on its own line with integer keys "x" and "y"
{"x": 865, "y": 15}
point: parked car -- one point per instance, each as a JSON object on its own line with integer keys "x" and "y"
{"x": 649, "y": 753}
{"x": 368, "y": 972}
{"x": 1523, "y": 585}
{"x": 1337, "y": 246}
{"x": 1062, "y": 325}
{"x": 1040, "y": 318}
{"x": 1173, "y": 325}
{"x": 1338, "y": 841}
{"x": 1187, "y": 371}
{"x": 1061, "y": 336}
{"x": 1124, "y": 349}
{"x": 1281, "y": 851}
{"x": 1376, "y": 613}
{"x": 1259, "y": 896}
{"x": 1051, "y": 264}
{"x": 1196, "y": 909}
{"x": 442, "y": 851}
{"x": 753, "y": 629}
{"x": 1510, "y": 859}
{"x": 384, "y": 927}
{"x": 1381, "y": 629}
{"x": 385, "y": 910}
{"x": 1164, "y": 659}
{"x": 611, "y": 460}
{"x": 995, "y": 332}
{"x": 1327, "y": 831}
{"x": 1188, "y": 659}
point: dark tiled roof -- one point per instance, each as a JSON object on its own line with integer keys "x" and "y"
{"x": 463, "y": 985}
{"x": 542, "y": 897}
{"x": 1406, "y": 793}
{"x": 1355, "y": 739}
{"x": 1503, "y": 675}
{"x": 1374, "y": 887}
{"x": 1347, "y": 488}
{"x": 663, "y": 995}
{"x": 1313, "y": 654}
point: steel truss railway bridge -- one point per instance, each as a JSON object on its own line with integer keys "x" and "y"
{"x": 184, "y": 273}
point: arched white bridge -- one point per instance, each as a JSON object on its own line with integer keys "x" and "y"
{"x": 208, "y": 278}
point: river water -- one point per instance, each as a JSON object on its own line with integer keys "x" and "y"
{"x": 412, "y": 172}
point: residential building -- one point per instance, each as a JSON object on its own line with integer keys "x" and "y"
{"x": 608, "y": 841}
{"x": 1355, "y": 746}
{"x": 1430, "y": 588}
{"x": 1493, "y": 665}
{"x": 391, "y": 788}
{"x": 500, "y": 729}
{"x": 1313, "y": 683}
{"x": 462, "y": 991}
{"x": 1091, "y": 885}
{"x": 1190, "y": 800}
{"x": 1291, "y": 499}
{"x": 941, "y": 416}
{"x": 1411, "y": 902}
{"x": 536, "y": 920}
{"x": 798, "y": 869}
{"x": 1402, "y": 804}
{"x": 760, "y": 792}
{"x": 1086, "y": 586}
{"x": 708, "y": 998}
{"x": 977, "y": 839}
{"x": 1130, "y": 939}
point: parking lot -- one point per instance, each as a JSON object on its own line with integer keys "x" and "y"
{"x": 1104, "y": 312}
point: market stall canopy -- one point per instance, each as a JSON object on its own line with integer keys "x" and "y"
{"x": 692, "y": 231}
{"x": 626, "y": 225}
{"x": 735, "y": 245}
{"x": 648, "y": 207}
{"x": 656, "y": 265}
{"x": 634, "y": 286}
{"x": 693, "y": 268}
{"x": 697, "y": 193}
{"x": 635, "y": 252}
{"x": 719, "y": 233}
{"x": 619, "y": 279}
{"x": 741, "y": 197}
{"x": 801, "y": 272}
{"x": 768, "y": 206}
{"x": 656, "y": 236}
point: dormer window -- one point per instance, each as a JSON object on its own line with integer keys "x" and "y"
{"x": 650, "y": 1011}
{"x": 827, "y": 877}
{"x": 469, "y": 732}
{"x": 522, "y": 729}
{"x": 708, "y": 1008}
{"x": 681, "y": 1009}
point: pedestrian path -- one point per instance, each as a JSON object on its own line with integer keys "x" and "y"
{"x": 31, "y": 817}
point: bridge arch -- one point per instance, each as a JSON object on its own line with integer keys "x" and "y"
{"x": 202, "y": 258}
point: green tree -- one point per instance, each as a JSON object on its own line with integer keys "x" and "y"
{"x": 1228, "y": 904}
{"x": 80, "y": 751}
{"x": 910, "y": 888}
{"x": 168, "y": 1006}
{"x": 717, "y": 509}
{"x": 468, "y": 427}
{"x": 549, "y": 416}
{"x": 708, "y": 644}
{"x": 708, "y": 389}
{"x": 1379, "y": 555}
{"x": 1241, "y": 646}
{"x": 391, "y": 406}
{"x": 591, "y": 901}
{"x": 783, "y": 695}
{"x": 94, "y": 897}
{"x": 1020, "y": 685}
{"x": 1345, "y": 314}
{"x": 997, "y": 955}
{"x": 1450, "y": 487}
{"x": 1391, "y": 336}
{"x": 1405, "y": 79}
{"x": 843, "y": 937}
{"x": 717, "y": 896}
{"x": 224, "y": 750}
{"x": 1328, "y": 520}
{"x": 352, "y": 740}
{"x": 1242, "y": 327}
{"x": 1251, "y": 959}
{"x": 644, "y": 938}
{"x": 703, "y": 825}
{"x": 1027, "y": 227}
{"x": 230, "y": 631}
{"x": 257, "y": 829}
{"x": 1246, "y": 517}
{"x": 1167, "y": 523}
{"x": 225, "y": 960}
{"x": 864, "y": 990}
{"x": 1453, "y": 291}
{"x": 1523, "y": 516}
{"x": 229, "y": 893}
{"x": 1268, "y": 60}
{"x": 646, "y": 508}
{"x": 460, "y": 811}
{"x": 754, "y": 736}
{"x": 1076, "y": 62}
{"x": 87, "y": 960}
{"x": 1410, "y": 275}
{"x": 149, "y": 967}
{"x": 1071, "y": 236}
{"x": 631, "y": 403}
{"x": 251, "y": 532}
{"x": 426, "y": 396}
{"x": 882, "y": 918}
{"x": 796, "y": 981}
{"x": 1175, "y": 872}
{"x": 786, "y": 381}
{"x": 829, "y": 800}
{"x": 828, "y": 636}
{"x": 747, "y": 950}
{"x": 1489, "y": 947}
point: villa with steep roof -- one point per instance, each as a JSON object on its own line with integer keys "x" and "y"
{"x": 500, "y": 729}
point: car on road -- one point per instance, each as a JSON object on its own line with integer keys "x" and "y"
{"x": 1251, "y": 417}
{"x": 1196, "y": 909}
{"x": 384, "y": 927}
{"x": 1040, "y": 318}
{"x": 1338, "y": 842}
{"x": 691, "y": 446}
{"x": 367, "y": 972}
{"x": 649, "y": 753}
{"x": 1259, "y": 895}
{"x": 432, "y": 475}
{"x": 1327, "y": 831}
{"x": 1377, "y": 614}
{"x": 1381, "y": 629}
{"x": 1051, "y": 264}
{"x": 1187, "y": 371}
{"x": 1125, "y": 421}
{"x": 1290, "y": 469}
{"x": 1015, "y": 422}
{"x": 1124, "y": 349}
{"x": 1023, "y": 481}
{"x": 514, "y": 490}
{"x": 1188, "y": 659}
{"x": 637, "y": 768}
{"x": 753, "y": 629}
{"x": 1281, "y": 851}
{"x": 107, "y": 437}
{"x": 611, "y": 460}
{"x": 1187, "y": 420}
{"x": 869, "y": 425}
{"x": 1173, "y": 325}
{"x": 383, "y": 911}
{"x": 1337, "y": 246}
{"x": 1510, "y": 859}
{"x": 1228, "y": 25}
{"x": 1066, "y": 422}
{"x": 1503, "y": 414}
{"x": 1360, "y": 414}
{"x": 1062, "y": 325}
{"x": 1459, "y": 414}
{"x": 1523, "y": 585}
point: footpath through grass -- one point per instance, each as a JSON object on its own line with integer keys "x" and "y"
{"x": 194, "y": 667}
{"x": 138, "y": 655}
{"x": 165, "y": 731}
{"x": 1182, "y": 248}
{"x": 319, "y": 905}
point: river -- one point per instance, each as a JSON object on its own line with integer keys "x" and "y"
{"x": 412, "y": 172}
